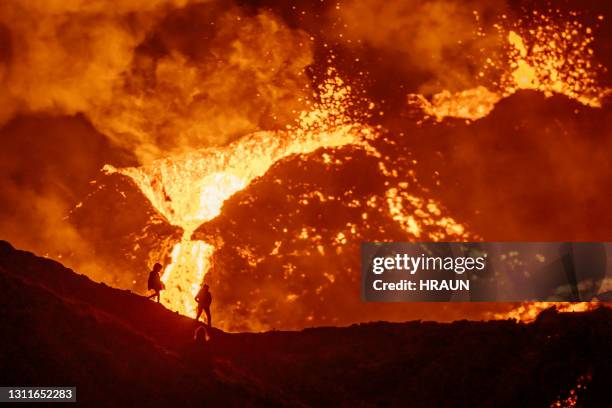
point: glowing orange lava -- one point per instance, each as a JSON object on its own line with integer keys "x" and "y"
{"x": 528, "y": 311}
{"x": 191, "y": 189}
{"x": 546, "y": 54}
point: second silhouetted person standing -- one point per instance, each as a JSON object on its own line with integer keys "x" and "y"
{"x": 204, "y": 299}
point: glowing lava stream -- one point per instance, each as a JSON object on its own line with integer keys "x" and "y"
{"x": 190, "y": 262}
{"x": 190, "y": 189}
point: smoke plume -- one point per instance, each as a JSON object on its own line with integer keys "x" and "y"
{"x": 442, "y": 43}
{"x": 155, "y": 77}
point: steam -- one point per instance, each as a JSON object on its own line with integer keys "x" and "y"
{"x": 45, "y": 168}
{"x": 440, "y": 40}
{"x": 63, "y": 57}
{"x": 144, "y": 80}
{"x": 247, "y": 76}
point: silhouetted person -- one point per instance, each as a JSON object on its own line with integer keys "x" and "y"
{"x": 155, "y": 282}
{"x": 204, "y": 299}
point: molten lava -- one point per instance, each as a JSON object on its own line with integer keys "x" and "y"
{"x": 528, "y": 311}
{"x": 545, "y": 54}
{"x": 190, "y": 189}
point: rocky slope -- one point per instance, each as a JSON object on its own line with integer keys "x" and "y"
{"x": 119, "y": 349}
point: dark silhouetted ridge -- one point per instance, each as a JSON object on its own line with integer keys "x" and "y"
{"x": 119, "y": 349}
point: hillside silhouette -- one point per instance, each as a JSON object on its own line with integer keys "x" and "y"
{"x": 119, "y": 349}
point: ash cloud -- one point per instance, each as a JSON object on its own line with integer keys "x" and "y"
{"x": 45, "y": 168}
{"x": 192, "y": 86}
{"x": 155, "y": 77}
{"x": 433, "y": 41}
{"x": 64, "y": 57}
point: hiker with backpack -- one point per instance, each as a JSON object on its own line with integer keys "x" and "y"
{"x": 155, "y": 282}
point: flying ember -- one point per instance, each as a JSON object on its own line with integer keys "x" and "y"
{"x": 545, "y": 54}
{"x": 190, "y": 189}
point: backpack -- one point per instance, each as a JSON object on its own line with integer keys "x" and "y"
{"x": 154, "y": 282}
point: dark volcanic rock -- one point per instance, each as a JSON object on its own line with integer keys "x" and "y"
{"x": 117, "y": 348}
{"x": 534, "y": 169}
{"x": 60, "y": 328}
{"x": 126, "y": 234}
